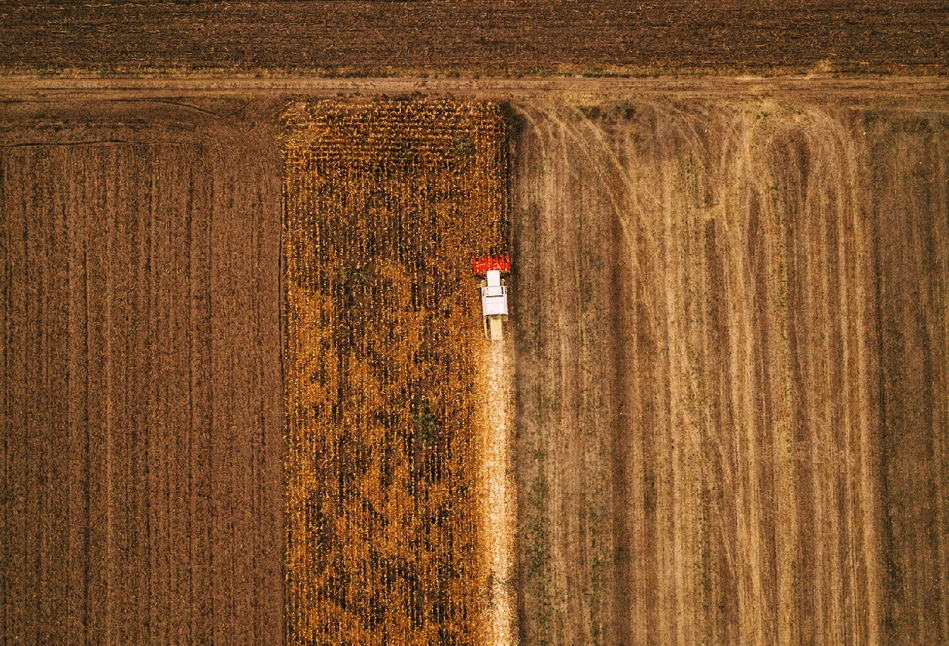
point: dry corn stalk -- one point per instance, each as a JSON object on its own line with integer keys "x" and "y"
{"x": 385, "y": 204}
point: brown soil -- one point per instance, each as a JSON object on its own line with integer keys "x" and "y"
{"x": 731, "y": 375}
{"x": 142, "y": 494}
{"x": 479, "y": 37}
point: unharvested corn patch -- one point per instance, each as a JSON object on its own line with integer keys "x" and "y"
{"x": 385, "y": 204}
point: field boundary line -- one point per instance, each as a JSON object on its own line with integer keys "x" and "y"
{"x": 25, "y": 87}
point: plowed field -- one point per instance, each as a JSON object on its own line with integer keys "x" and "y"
{"x": 142, "y": 492}
{"x": 478, "y": 37}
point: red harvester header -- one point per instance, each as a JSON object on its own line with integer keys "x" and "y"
{"x": 484, "y": 264}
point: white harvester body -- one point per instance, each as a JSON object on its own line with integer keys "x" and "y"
{"x": 493, "y": 305}
{"x": 493, "y": 294}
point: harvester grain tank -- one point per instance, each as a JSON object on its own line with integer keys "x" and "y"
{"x": 493, "y": 293}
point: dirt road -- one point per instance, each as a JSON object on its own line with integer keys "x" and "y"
{"x": 185, "y": 88}
{"x": 142, "y": 421}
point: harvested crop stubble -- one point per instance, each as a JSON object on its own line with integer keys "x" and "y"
{"x": 385, "y": 204}
{"x": 731, "y": 429}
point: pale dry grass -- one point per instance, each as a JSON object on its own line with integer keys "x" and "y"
{"x": 701, "y": 405}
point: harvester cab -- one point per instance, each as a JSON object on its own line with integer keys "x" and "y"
{"x": 493, "y": 293}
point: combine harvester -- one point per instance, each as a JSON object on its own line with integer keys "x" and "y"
{"x": 493, "y": 293}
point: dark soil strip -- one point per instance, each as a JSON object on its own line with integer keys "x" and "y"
{"x": 533, "y": 37}
{"x": 912, "y": 205}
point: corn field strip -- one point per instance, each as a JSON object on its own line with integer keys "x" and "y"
{"x": 386, "y": 202}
